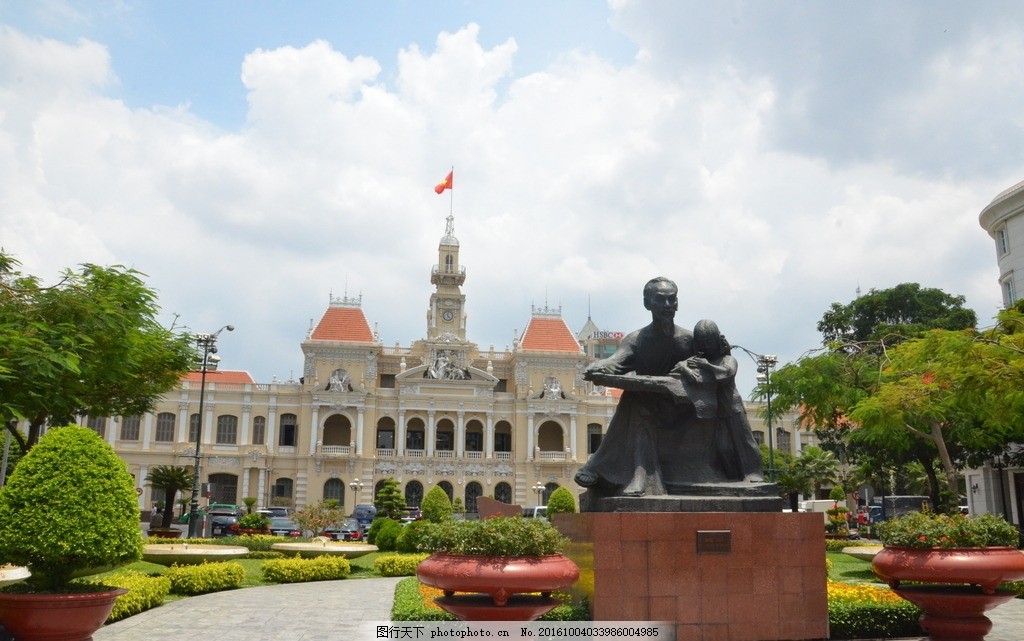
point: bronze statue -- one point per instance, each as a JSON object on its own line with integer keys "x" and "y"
{"x": 680, "y": 421}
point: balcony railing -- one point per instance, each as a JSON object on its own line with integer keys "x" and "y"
{"x": 336, "y": 450}
{"x": 551, "y": 456}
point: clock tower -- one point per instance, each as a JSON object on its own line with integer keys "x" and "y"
{"x": 446, "y": 317}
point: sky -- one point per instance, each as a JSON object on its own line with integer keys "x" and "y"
{"x": 254, "y": 159}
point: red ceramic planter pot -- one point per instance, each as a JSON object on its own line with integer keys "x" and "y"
{"x": 498, "y": 576}
{"x": 56, "y": 617}
{"x": 985, "y": 567}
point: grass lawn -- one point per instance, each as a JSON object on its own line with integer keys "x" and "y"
{"x": 850, "y": 569}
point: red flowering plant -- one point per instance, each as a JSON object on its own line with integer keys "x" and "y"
{"x": 929, "y": 530}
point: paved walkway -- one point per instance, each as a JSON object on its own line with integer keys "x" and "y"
{"x": 330, "y": 611}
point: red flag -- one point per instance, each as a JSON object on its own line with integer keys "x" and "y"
{"x": 445, "y": 184}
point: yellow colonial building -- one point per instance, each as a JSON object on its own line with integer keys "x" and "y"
{"x": 512, "y": 424}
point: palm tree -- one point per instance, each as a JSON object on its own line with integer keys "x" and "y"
{"x": 817, "y": 465}
{"x": 171, "y": 479}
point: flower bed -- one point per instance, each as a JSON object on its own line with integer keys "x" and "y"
{"x": 869, "y": 612}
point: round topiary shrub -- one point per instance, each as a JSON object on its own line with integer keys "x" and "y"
{"x": 70, "y": 505}
{"x": 435, "y": 506}
{"x": 387, "y": 535}
{"x": 410, "y": 536}
{"x": 837, "y": 494}
{"x": 561, "y": 502}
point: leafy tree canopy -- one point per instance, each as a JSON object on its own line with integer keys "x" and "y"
{"x": 904, "y": 310}
{"x": 89, "y": 344}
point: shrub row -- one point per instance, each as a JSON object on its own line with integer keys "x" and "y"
{"x": 398, "y": 564}
{"x": 837, "y": 545}
{"x": 870, "y": 612}
{"x": 144, "y": 592}
{"x": 190, "y": 580}
{"x": 299, "y": 570}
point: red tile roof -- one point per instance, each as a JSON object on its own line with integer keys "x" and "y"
{"x": 343, "y": 324}
{"x": 219, "y": 376}
{"x": 549, "y": 335}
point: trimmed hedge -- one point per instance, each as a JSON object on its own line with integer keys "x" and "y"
{"x": 398, "y": 564}
{"x": 387, "y": 535}
{"x": 299, "y": 570}
{"x": 264, "y": 555}
{"x": 837, "y": 545}
{"x": 190, "y": 580}
{"x": 145, "y": 591}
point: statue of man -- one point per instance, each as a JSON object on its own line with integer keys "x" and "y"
{"x": 626, "y": 463}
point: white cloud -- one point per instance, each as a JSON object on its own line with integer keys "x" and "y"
{"x": 577, "y": 182}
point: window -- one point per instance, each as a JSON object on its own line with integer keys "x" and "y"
{"x": 98, "y": 425}
{"x": 782, "y": 440}
{"x": 227, "y": 429}
{"x": 333, "y": 489}
{"x": 386, "y": 438}
{"x": 1009, "y": 291}
{"x": 474, "y": 442}
{"x": 502, "y": 442}
{"x": 193, "y": 428}
{"x": 758, "y": 437}
{"x": 593, "y": 437}
{"x": 1002, "y": 242}
{"x": 259, "y": 430}
{"x": 165, "y": 427}
{"x": 130, "y": 428}
{"x": 387, "y": 381}
{"x": 282, "y": 489}
{"x": 445, "y": 441}
{"x": 502, "y": 386}
{"x": 289, "y": 431}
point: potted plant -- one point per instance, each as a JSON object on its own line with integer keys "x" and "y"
{"x": 500, "y": 557}
{"x": 967, "y": 556}
{"x": 69, "y": 506}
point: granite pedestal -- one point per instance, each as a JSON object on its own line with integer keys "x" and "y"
{"x": 719, "y": 576}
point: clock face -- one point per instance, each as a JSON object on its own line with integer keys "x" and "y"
{"x": 448, "y": 315}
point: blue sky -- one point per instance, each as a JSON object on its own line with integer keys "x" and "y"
{"x": 255, "y": 158}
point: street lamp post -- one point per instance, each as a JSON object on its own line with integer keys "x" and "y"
{"x": 207, "y": 345}
{"x": 356, "y": 486}
{"x": 765, "y": 364}
{"x": 539, "y": 489}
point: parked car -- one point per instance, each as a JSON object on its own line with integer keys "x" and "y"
{"x": 271, "y": 512}
{"x": 365, "y": 513}
{"x": 221, "y": 518}
{"x": 411, "y": 513}
{"x": 536, "y": 512}
{"x": 345, "y": 530}
{"x": 280, "y": 526}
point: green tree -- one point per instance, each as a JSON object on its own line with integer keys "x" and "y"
{"x": 318, "y": 517}
{"x": 818, "y": 466}
{"x": 171, "y": 479}
{"x": 89, "y": 344}
{"x": 436, "y": 507}
{"x": 904, "y": 310}
{"x": 561, "y": 501}
{"x": 389, "y": 500}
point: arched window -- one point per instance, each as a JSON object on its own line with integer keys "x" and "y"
{"x": 445, "y": 441}
{"x": 386, "y": 433}
{"x": 413, "y": 493}
{"x": 473, "y": 492}
{"x": 414, "y": 435}
{"x": 447, "y": 487}
{"x": 282, "y": 491}
{"x": 227, "y": 429}
{"x": 130, "y": 427}
{"x": 259, "y": 430}
{"x": 448, "y": 263}
{"x": 164, "y": 427}
{"x": 335, "y": 489}
{"x": 503, "y": 438}
{"x": 594, "y": 436}
{"x": 503, "y": 492}
{"x": 289, "y": 436}
{"x": 549, "y": 437}
{"x": 474, "y": 436}
{"x": 337, "y": 430}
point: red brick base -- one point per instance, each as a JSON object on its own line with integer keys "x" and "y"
{"x": 768, "y": 586}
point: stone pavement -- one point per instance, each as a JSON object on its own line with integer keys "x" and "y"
{"x": 331, "y": 611}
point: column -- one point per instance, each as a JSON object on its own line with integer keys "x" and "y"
{"x": 431, "y": 434}
{"x": 360, "y": 417}
{"x": 489, "y": 436}
{"x": 208, "y": 424}
{"x": 530, "y": 453}
{"x": 183, "y": 423}
{"x": 314, "y": 423}
{"x": 246, "y": 471}
{"x": 271, "y": 429}
{"x": 400, "y": 434}
{"x": 243, "y": 436}
{"x": 147, "y": 429}
{"x": 460, "y": 435}
{"x": 572, "y": 437}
